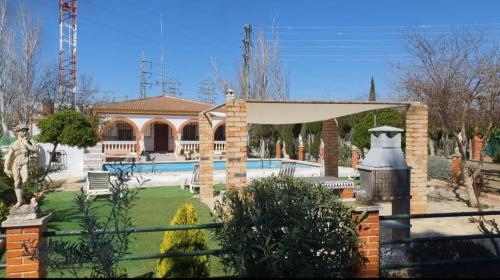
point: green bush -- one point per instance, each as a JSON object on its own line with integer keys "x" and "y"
{"x": 439, "y": 168}
{"x": 286, "y": 227}
{"x": 184, "y": 241}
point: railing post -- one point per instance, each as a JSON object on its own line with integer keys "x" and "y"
{"x": 369, "y": 235}
{"x": 24, "y": 239}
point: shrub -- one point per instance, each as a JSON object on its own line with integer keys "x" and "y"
{"x": 439, "y": 168}
{"x": 286, "y": 227}
{"x": 104, "y": 240}
{"x": 183, "y": 241}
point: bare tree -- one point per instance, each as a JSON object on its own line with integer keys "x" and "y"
{"x": 30, "y": 73}
{"x": 268, "y": 77}
{"x": 7, "y": 69}
{"x": 456, "y": 75}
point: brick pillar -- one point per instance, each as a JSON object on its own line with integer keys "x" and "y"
{"x": 330, "y": 137}
{"x": 236, "y": 143}
{"x": 456, "y": 159}
{"x": 369, "y": 235}
{"x": 24, "y": 238}
{"x": 206, "y": 156}
{"x": 416, "y": 155}
{"x": 301, "y": 153}
{"x": 278, "y": 150}
{"x": 355, "y": 156}
{"x": 477, "y": 147}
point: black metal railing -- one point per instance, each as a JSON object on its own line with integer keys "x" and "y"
{"x": 439, "y": 238}
{"x": 212, "y": 252}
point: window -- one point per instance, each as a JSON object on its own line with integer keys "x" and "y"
{"x": 190, "y": 132}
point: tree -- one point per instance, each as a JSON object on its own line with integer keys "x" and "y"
{"x": 183, "y": 241}
{"x": 457, "y": 76}
{"x": 70, "y": 128}
{"x": 361, "y": 136}
{"x": 372, "y": 96}
{"x": 7, "y": 69}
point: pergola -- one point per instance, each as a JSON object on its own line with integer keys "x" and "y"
{"x": 239, "y": 113}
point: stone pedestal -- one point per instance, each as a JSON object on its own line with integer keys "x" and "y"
{"x": 278, "y": 150}
{"x": 24, "y": 238}
{"x": 301, "y": 153}
{"x": 456, "y": 163}
{"x": 477, "y": 147}
{"x": 355, "y": 156}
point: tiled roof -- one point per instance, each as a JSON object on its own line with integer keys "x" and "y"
{"x": 155, "y": 105}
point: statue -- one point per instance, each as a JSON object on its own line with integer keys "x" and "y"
{"x": 21, "y": 149}
{"x": 301, "y": 141}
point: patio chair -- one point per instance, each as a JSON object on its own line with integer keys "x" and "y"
{"x": 98, "y": 183}
{"x": 194, "y": 183}
{"x": 287, "y": 168}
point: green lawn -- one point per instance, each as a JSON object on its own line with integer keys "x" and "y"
{"x": 154, "y": 207}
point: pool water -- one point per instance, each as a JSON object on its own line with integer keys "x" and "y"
{"x": 188, "y": 166}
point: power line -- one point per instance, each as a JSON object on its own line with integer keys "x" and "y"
{"x": 381, "y": 26}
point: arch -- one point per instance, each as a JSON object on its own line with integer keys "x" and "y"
{"x": 164, "y": 121}
{"x": 125, "y": 120}
{"x": 132, "y": 124}
{"x": 190, "y": 121}
{"x": 217, "y": 126}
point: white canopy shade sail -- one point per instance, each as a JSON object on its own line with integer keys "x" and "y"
{"x": 289, "y": 112}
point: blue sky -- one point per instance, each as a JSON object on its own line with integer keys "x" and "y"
{"x": 332, "y": 48}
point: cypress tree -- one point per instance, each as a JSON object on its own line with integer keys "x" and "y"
{"x": 372, "y": 96}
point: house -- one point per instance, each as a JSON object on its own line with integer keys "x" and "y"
{"x": 163, "y": 126}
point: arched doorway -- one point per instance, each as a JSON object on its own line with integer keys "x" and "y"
{"x": 159, "y": 136}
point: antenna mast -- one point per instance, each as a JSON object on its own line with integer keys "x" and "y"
{"x": 162, "y": 60}
{"x": 67, "y": 48}
{"x": 145, "y": 75}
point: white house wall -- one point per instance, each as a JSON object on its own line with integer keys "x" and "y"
{"x": 74, "y": 161}
{"x": 177, "y": 121}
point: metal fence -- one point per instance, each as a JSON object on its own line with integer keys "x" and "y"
{"x": 439, "y": 238}
{"x": 145, "y": 256}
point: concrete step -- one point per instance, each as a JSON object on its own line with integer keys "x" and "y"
{"x": 87, "y": 162}
{"x": 163, "y": 157}
{"x": 93, "y": 157}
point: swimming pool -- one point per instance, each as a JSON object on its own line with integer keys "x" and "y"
{"x": 188, "y": 166}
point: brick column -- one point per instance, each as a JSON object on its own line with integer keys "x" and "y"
{"x": 206, "y": 156}
{"x": 456, "y": 162}
{"x": 236, "y": 143}
{"x": 24, "y": 238}
{"x": 369, "y": 235}
{"x": 477, "y": 147}
{"x": 301, "y": 153}
{"x": 330, "y": 137}
{"x": 278, "y": 150}
{"x": 416, "y": 155}
{"x": 355, "y": 156}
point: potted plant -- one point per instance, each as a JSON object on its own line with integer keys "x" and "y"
{"x": 144, "y": 156}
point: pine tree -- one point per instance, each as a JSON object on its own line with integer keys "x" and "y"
{"x": 183, "y": 241}
{"x": 372, "y": 96}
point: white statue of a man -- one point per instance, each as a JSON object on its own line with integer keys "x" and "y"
{"x": 301, "y": 141}
{"x": 21, "y": 149}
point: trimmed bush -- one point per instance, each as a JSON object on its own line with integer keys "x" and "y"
{"x": 183, "y": 241}
{"x": 286, "y": 227}
{"x": 439, "y": 168}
